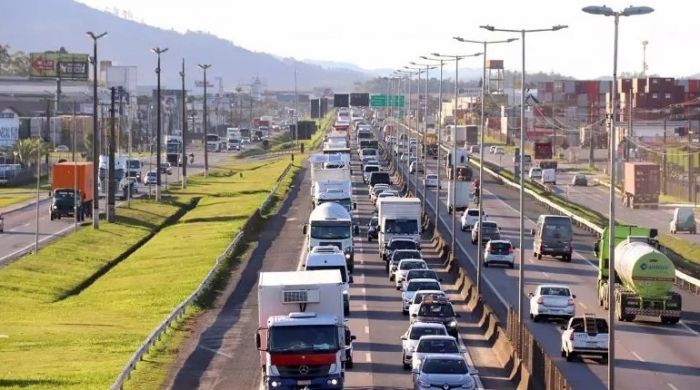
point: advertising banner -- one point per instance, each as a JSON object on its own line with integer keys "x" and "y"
{"x": 9, "y": 128}
{"x": 68, "y": 66}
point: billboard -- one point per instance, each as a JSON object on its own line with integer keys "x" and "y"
{"x": 341, "y": 100}
{"x": 9, "y": 128}
{"x": 359, "y": 99}
{"x": 315, "y": 108}
{"x": 69, "y": 66}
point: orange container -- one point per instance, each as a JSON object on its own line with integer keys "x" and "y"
{"x": 63, "y": 176}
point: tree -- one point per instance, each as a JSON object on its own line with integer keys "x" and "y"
{"x": 25, "y": 150}
{"x": 13, "y": 64}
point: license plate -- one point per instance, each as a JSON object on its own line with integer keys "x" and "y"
{"x": 304, "y": 383}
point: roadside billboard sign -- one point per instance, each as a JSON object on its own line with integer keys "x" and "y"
{"x": 9, "y": 128}
{"x": 69, "y": 66}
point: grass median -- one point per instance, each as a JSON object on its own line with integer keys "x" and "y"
{"x": 83, "y": 341}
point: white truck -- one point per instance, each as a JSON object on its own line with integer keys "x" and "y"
{"x": 233, "y": 139}
{"x": 338, "y": 191}
{"x": 301, "y": 329}
{"x": 462, "y": 190}
{"x": 331, "y": 258}
{"x": 461, "y": 156}
{"x": 120, "y": 180}
{"x": 398, "y": 218}
{"x": 331, "y": 224}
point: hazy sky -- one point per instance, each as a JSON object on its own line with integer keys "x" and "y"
{"x": 391, "y": 33}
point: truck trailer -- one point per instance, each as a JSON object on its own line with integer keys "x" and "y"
{"x": 301, "y": 329}
{"x": 398, "y": 218}
{"x": 642, "y": 185}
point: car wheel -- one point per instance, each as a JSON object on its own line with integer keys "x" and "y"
{"x": 391, "y": 278}
{"x": 406, "y": 366}
{"x": 463, "y": 229}
{"x": 404, "y": 311}
{"x": 563, "y": 353}
{"x": 486, "y": 264}
{"x": 536, "y": 318}
{"x": 512, "y": 265}
{"x": 349, "y": 363}
{"x": 569, "y": 356}
{"x": 539, "y": 256}
{"x": 604, "y": 359}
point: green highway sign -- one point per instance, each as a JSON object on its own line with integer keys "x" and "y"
{"x": 386, "y": 101}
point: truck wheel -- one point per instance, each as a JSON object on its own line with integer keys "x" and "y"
{"x": 539, "y": 256}
{"x": 51, "y": 216}
{"x": 349, "y": 363}
{"x": 563, "y": 353}
{"x": 569, "y": 356}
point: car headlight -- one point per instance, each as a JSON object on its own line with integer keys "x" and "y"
{"x": 452, "y": 324}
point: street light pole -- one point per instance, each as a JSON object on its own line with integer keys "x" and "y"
{"x": 184, "y": 127}
{"x": 158, "y": 51}
{"x": 606, "y": 11}
{"x": 521, "y": 171}
{"x": 480, "y": 254}
{"x": 95, "y": 134}
{"x": 204, "y": 68}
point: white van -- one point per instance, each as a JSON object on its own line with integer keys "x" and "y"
{"x": 330, "y": 258}
{"x": 549, "y": 176}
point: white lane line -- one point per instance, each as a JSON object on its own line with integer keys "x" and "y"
{"x": 689, "y": 328}
{"x": 637, "y": 356}
{"x": 364, "y": 306}
{"x": 4, "y": 336}
{"x": 583, "y": 305}
{"x": 27, "y": 224}
{"x": 364, "y": 291}
{"x": 215, "y": 351}
{"x": 27, "y": 247}
{"x": 368, "y": 357}
{"x": 366, "y": 329}
{"x": 670, "y": 385}
{"x": 546, "y": 275}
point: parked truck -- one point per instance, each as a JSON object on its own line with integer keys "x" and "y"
{"x": 641, "y": 185}
{"x": 398, "y": 218}
{"x": 66, "y": 179}
{"x": 644, "y": 276}
{"x": 301, "y": 330}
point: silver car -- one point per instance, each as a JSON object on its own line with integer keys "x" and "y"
{"x": 412, "y": 287}
{"x": 443, "y": 371}
{"x": 429, "y": 345}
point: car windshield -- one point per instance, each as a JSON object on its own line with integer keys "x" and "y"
{"x": 401, "y": 226}
{"x": 473, "y": 212}
{"x": 490, "y": 227}
{"x": 438, "y": 346}
{"x": 340, "y": 268}
{"x": 371, "y": 168}
{"x": 557, "y": 229}
{"x": 415, "y": 286}
{"x": 298, "y": 339}
{"x": 330, "y": 230}
{"x": 419, "y": 297}
{"x": 403, "y": 244}
{"x": 421, "y": 274}
{"x": 445, "y": 366}
{"x": 555, "y": 291}
{"x": 436, "y": 310}
{"x": 406, "y": 265}
{"x": 369, "y": 152}
{"x": 418, "y": 331}
{"x": 500, "y": 247}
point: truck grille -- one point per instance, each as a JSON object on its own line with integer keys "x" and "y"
{"x": 303, "y": 371}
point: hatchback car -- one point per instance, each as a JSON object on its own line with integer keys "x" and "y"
{"x": 166, "y": 168}
{"x": 579, "y": 180}
{"x": 415, "y": 285}
{"x": 396, "y": 244}
{"x": 490, "y": 231}
{"x": 415, "y": 331}
{"x": 431, "y": 181}
{"x": 438, "y": 310}
{"x": 150, "y": 178}
{"x": 443, "y": 371}
{"x": 404, "y": 266}
{"x": 417, "y": 274}
{"x": 552, "y": 301}
{"x": 422, "y": 294}
{"x": 469, "y": 218}
{"x": 399, "y": 255}
{"x": 428, "y": 345}
{"x": 499, "y": 252}
{"x": 535, "y": 173}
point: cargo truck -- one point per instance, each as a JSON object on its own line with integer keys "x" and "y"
{"x": 430, "y": 145}
{"x": 472, "y": 135}
{"x": 398, "y": 218}
{"x": 330, "y": 224}
{"x": 301, "y": 330}
{"x": 644, "y": 276}
{"x": 66, "y": 178}
{"x": 173, "y": 150}
{"x": 461, "y": 159}
{"x": 462, "y": 192}
{"x": 641, "y": 185}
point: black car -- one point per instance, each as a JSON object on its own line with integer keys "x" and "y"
{"x": 579, "y": 180}
{"x": 372, "y": 231}
{"x": 398, "y": 243}
{"x": 438, "y": 310}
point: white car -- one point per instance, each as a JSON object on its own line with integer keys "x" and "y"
{"x": 498, "y": 150}
{"x": 430, "y": 181}
{"x": 418, "y": 298}
{"x": 409, "y": 340}
{"x": 377, "y": 188}
{"x": 469, "y": 218}
{"x": 535, "y": 173}
{"x": 413, "y": 286}
{"x": 553, "y": 301}
{"x": 150, "y": 178}
{"x": 492, "y": 148}
{"x": 415, "y": 166}
{"x": 406, "y": 265}
{"x": 585, "y": 336}
{"x": 62, "y": 148}
{"x": 444, "y": 371}
{"x": 395, "y": 256}
{"x": 428, "y": 345}
{"x": 499, "y": 252}
{"x": 419, "y": 274}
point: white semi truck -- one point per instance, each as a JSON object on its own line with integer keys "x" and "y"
{"x": 462, "y": 192}
{"x": 301, "y": 329}
{"x": 398, "y": 218}
{"x": 331, "y": 224}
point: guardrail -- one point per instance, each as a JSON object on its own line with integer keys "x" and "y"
{"x": 683, "y": 280}
{"x": 175, "y": 315}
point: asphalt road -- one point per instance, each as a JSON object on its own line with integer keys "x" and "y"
{"x": 221, "y": 352}
{"x": 649, "y": 355}
{"x": 20, "y": 225}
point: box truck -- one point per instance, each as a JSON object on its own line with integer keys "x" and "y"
{"x": 398, "y": 218}
{"x": 67, "y": 180}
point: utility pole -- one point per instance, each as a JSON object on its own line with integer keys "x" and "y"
{"x": 184, "y": 127}
{"x": 95, "y": 135}
{"x": 591, "y": 152}
{"x": 204, "y": 123}
{"x": 664, "y": 158}
{"x": 690, "y": 159}
{"x": 110, "y": 171}
{"x": 158, "y": 51}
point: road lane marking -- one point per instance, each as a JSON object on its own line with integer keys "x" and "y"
{"x": 689, "y": 328}
{"x": 364, "y": 306}
{"x": 637, "y": 356}
{"x": 27, "y": 247}
{"x": 215, "y": 351}
{"x": 672, "y": 386}
{"x": 546, "y": 275}
{"x": 366, "y": 329}
{"x": 583, "y": 305}
{"x": 368, "y": 357}
{"x": 364, "y": 291}
{"x": 4, "y": 336}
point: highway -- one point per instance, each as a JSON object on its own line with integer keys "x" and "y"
{"x": 20, "y": 225}
{"x": 649, "y": 355}
{"x": 220, "y": 354}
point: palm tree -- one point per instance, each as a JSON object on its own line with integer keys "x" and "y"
{"x": 25, "y": 150}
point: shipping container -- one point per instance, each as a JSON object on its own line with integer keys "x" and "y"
{"x": 638, "y": 85}
{"x": 641, "y": 184}
{"x": 624, "y": 85}
{"x": 658, "y": 84}
{"x": 570, "y": 87}
{"x": 682, "y": 83}
{"x": 604, "y": 86}
{"x": 559, "y": 86}
{"x": 582, "y": 100}
{"x": 494, "y": 64}
{"x": 694, "y": 85}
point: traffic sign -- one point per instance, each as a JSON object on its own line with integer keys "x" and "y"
{"x": 386, "y": 101}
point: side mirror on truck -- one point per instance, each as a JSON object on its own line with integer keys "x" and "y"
{"x": 305, "y": 228}
{"x": 356, "y": 230}
{"x": 354, "y": 205}
{"x": 258, "y": 342}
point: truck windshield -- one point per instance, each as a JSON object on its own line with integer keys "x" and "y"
{"x": 63, "y": 194}
{"x": 296, "y": 339}
{"x": 340, "y": 268}
{"x": 401, "y": 226}
{"x": 173, "y": 147}
{"x": 330, "y": 230}
{"x": 212, "y": 138}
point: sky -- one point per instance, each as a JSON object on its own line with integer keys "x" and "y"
{"x": 391, "y": 33}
